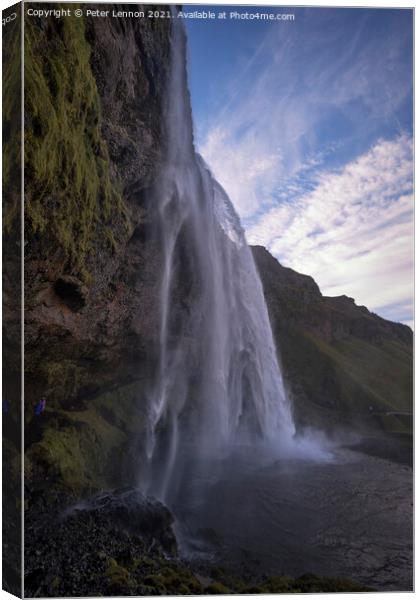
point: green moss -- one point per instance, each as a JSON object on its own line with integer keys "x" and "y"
{"x": 76, "y": 449}
{"x": 144, "y": 561}
{"x": 217, "y": 588}
{"x": 110, "y": 238}
{"x": 69, "y": 193}
{"x": 154, "y": 581}
{"x": 172, "y": 580}
{"x": 55, "y": 584}
{"x": 121, "y": 408}
{"x": 118, "y": 576}
{"x": 83, "y": 450}
{"x": 190, "y": 582}
{"x": 63, "y": 378}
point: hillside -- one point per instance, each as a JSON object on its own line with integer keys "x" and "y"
{"x": 344, "y": 366}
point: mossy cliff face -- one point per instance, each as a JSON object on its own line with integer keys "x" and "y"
{"x": 93, "y": 146}
{"x": 70, "y": 200}
{"x": 344, "y": 366}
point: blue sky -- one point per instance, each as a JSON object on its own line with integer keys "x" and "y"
{"x": 308, "y": 126}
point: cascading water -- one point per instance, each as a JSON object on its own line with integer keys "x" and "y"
{"x": 218, "y": 386}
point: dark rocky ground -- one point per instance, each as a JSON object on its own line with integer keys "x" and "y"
{"x": 349, "y": 520}
{"x": 121, "y": 544}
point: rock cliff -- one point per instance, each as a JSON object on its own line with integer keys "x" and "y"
{"x": 94, "y": 142}
{"x": 89, "y": 276}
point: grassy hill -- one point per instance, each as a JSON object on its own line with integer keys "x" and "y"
{"x": 344, "y": 366}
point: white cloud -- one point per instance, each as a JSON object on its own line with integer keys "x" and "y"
{"x": 354, "y": 231}
{"x": 242, "y": 170}
{"x": 271, "y": 129}
{"x": 290, "y": 113}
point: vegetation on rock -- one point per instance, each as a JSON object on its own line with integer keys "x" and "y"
{"x": 70, "y": 197}
{"x": 86, "y": 449}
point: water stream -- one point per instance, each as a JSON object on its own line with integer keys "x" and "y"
{"x": 218, "y": 387}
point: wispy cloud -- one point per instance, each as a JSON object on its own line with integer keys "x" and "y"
{"x": 310, "y": 149}
{"x": 354, "y": 231}
{"x": 292, "y": 103}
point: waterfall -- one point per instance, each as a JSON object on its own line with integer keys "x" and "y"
{"x": 218, "y": 387}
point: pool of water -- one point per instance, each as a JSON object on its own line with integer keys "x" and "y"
{"x": 346, "y": 516}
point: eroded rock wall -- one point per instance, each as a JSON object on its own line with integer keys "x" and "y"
{"x": 94, "y": 143}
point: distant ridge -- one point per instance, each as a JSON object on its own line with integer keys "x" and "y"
{"x": 344, "y": 365}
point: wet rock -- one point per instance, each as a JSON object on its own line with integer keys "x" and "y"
{"x": 136, "y": 513}
{"x": 105, "y": 545}
{"x": 71, "y": 291}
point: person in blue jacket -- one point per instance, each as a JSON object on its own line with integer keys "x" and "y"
{"x": 40, "y": 406}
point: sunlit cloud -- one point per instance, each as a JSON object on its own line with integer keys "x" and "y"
{"x": 354, "y": 232}
{"x": 310, "y": 149}
{"x": 272, "y": 125}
